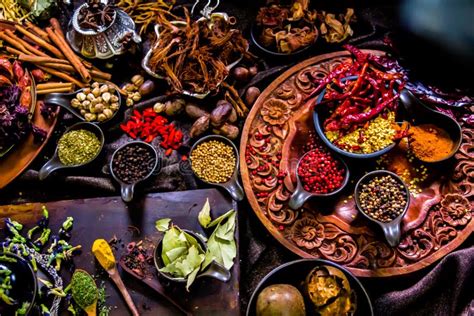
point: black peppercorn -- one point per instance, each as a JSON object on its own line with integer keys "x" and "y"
{"x": 132, "y": 163}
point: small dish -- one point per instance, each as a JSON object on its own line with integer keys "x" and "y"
{"x": 392, "y": 229}
{"x": 300, "y": 195}
{"x": 295, "y": 272}
{"x": 232, "y": 185}
{"x": 127, "y": 189}
{"x": 214, "y": 270}
{"x": 54, "y": 163}
{"x": 23, "y": 281}
{"x": 318, "y": 119}
{"x": 421, "y": 114}
{"x": 64, "y": 100}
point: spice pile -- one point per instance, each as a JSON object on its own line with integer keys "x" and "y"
{"x": 148, "y": 125}
{"x": 383, "y": 198}
{"x": 133, "y": 162}
{"x": 361, "y": 117}
{"x": 430, "y": 143}
{"x": 213, "y": 161}
{"x": 97, "y": 102}
{"x": 84, "y": 290}
{"x": 139, "y": 257}
{"x": 287, "y": 29}
{"x": 78, "y": 147}
{"x": 96, "y": 15}
{"x": 320, "y": 172}
{"x": 193, "y": 56}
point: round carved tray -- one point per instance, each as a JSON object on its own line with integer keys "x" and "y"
{"x": 275, "y": 135}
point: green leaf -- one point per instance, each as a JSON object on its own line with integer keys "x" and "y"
{"x": 163, "y": 224}
{"x": 204, "y": 216}
{"x": 192, "y": 277}
{"x": 221, "y": 246}
{"x": 175, "y": 253}
{"x": 220, "y": 219}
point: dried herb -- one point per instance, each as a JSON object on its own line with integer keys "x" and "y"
{"x": 336, "y": 29}
{"x": 84, "y": 290}
{"x": 78, "y": 147}
{"x": 193, "y": 56}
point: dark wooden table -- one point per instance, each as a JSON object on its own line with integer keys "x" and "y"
{"x": 109, "y": 217}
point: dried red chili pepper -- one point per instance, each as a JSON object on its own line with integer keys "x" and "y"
{"x": 6, "y": 66}
{"x": 18, "y": 70}
{"x": 40, "y": 76}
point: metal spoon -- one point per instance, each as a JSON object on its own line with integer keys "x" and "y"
{"x": 55, "y": 163}
{"x": 300, "y": 195}
{"x": 232, "y": 185}
{"x": 392, "y": 229}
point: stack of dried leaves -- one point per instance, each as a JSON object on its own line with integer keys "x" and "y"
{"x": 336, "y": 28}
{"x": 194, "y": 56}
{"x": 287, "y": 29}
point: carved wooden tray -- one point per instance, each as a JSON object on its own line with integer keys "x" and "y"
{"x": 274, "y": 135}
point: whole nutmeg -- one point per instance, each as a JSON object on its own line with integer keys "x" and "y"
{"x": 240, "y": 73}
{"x": 200, "y": 126}
{"x": 228, "y": 130}
{"x": 253, "y": 71}
{"x": 147, "y": 87}
{"x": 194, "y": 111}
{"x": 221, "y": 113}
{"x": 251, "y": 95}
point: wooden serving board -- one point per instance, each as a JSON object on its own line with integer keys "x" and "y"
{"x": 109, "y": 217}
{"x": 277, "y": 129}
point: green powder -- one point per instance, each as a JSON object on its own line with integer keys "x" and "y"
{"x": 78, "y": 147}
{"x": 84, "y": 290}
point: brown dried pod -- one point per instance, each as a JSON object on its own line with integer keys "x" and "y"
{"x": 233, "y": 116}
{"x": 200, "y": 126}
{"x": 147, "y": 87}
{"x": 194, "y": 111}
{"x": 221, "y": 113}
{"x": 227, "y": 130}
{"x": 241, "y": 73}
{"x": 253, "y": 71}
{"x": 251, "y": 95}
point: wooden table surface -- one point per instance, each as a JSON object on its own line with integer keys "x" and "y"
{"x": 109, "y": 217}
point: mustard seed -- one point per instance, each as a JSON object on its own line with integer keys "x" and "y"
{"x": 213, "y": 161}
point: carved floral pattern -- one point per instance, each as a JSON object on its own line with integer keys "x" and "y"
{"x": 316, "y": 235}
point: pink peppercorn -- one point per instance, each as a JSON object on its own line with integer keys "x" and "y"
{"x": 320, "y": 172}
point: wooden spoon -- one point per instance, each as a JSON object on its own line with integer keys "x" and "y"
{"x": 111, "y": 268}
{"x": 91, "y": 310}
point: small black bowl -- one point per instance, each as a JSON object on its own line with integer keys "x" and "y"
{"x": 295, "y": 272}
{"x": 318, "y": 119}
{"x": 23, "y": 280}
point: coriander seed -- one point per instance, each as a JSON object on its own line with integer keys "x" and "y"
{"x": 213, "y": 161}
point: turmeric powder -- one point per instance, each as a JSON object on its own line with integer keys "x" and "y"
{"x": 103, "y": 253}
{"x": 430, "y": 143}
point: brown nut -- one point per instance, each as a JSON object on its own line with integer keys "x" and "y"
{"x": 240, "y": 73}
{"x": 221, "y": 113}
{"x": 251, "y": 95}
{"x": 233, "y": 116}
{"x": 253, "y": 71}
{"x": 147, "y": 87}
{"x": 194, "y": 111}
{"x": 227, "y": 130}
{"x": 200, "y": 126}
{"x": 138, "y": 80}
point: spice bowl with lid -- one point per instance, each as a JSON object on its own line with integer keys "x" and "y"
{"x": 383, "y": 198}
{"x": 215, "y": 160}
{"x": 98, "y": 104}
{"x": 80, "y": 144}
{"x": 131, "y": 164}
{"x": 214, "y": 270}
{"x": 310, "y": 163}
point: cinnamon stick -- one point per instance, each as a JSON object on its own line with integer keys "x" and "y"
{"x": 13, "y": 51}
{"x": 23, "y": 43}
{"x": 13, "y": 43}
{"x": 70, "y": 55}
{"x": 54, "y": 90}
{"x": 38, "y": 31}
{"x": 39, "y": 41}
{"x": 53, "y": 85}
{"x": 57, "y": 27}
{"x": 96, "y": 74}
{"x": 41, "y": 60}
{"x": 62, "y": 75}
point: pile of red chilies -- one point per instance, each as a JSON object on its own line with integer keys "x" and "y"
{"x": 376, "y": 88}
{"x": 148, "y": 125}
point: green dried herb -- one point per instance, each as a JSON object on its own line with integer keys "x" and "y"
{"x": 84, "y": 290}
{"x": 78, "y": 147}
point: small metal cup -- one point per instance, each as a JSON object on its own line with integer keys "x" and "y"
{"x": 214, "y": 270}
{"x": 54, "y": 163}
{"x": 392, "y": 229}
{"x": 127, "y": 189}
{"x": 300, "y": 195}
{"x": 232, "y": 185}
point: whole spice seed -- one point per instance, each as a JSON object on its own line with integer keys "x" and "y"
{"x": 320, "y": 172}
{"x": 78, "y": 147}
{"x": 383, "y": 198}
{"x": 133, "y": 163}
{"x": 213, "y": 161}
